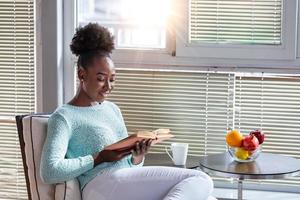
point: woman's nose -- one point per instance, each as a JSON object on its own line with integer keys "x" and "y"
{"x": 108, "y": 85}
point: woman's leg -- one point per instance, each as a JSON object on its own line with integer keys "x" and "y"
{"x": 149, "y": 183}
{"x": 190, "y": 188}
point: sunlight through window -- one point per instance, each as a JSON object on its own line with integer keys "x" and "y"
{"x": 135, "y": 24}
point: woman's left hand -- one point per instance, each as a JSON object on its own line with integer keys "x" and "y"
{"x": 141, "y": 148}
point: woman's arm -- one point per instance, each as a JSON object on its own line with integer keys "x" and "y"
{"x": 54, "y": 166}
{"x": 109, "y": 156}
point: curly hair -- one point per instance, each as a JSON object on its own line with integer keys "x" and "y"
{"x": 91, "y": 41}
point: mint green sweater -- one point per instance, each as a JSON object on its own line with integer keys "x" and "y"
{"x": 76, "y": 133}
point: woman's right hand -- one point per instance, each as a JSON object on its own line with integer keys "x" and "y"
{"x": 109, "y": 156}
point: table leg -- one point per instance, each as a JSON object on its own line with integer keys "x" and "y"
{"x": 240, "y": 189}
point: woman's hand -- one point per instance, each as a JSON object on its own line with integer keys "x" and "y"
{"x": 109, "y": 156}
{"x": 140, "y": 150}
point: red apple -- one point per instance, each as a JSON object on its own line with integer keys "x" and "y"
{"x": 250, "y": 143}
{"x": 259, "y": 135}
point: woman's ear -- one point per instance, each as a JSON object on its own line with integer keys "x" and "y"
{"x": 81, "y": 73}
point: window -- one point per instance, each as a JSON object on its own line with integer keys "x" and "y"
{"x": 199, "y": 107}
{"x": 261, "y": 29}
{"x": 196, "y": 106}
{"x": 17, "y": 89}
{"x": 132, "y": 22}
{"x": 235, "y": 22}
{"x": 271, "y": 102}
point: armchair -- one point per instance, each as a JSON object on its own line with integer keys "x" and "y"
{"x": 32, "y": 131}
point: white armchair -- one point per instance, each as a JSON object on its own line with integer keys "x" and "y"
{"x": 32, "y": 131}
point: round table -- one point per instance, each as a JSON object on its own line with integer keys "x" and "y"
{"x": 266, "y": 166}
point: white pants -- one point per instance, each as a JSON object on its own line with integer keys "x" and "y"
{"x": 149, "y": 183}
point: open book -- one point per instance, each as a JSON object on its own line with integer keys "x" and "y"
{"x": 129, "y": 143}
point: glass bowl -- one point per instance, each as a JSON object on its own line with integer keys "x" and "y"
{"x": 239, "y": 154}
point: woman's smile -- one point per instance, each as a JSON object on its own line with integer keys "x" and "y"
{"x": 105, "y": 94}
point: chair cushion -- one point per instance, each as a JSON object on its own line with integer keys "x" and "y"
{"x": 69, "y": 190}
{"x": 34, "y": 133}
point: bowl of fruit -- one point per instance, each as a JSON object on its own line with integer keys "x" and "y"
{"x": 244, "y": 148}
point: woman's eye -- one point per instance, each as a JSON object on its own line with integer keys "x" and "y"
{"x": 112, "y": 80}
{"x": 101, "y": 79}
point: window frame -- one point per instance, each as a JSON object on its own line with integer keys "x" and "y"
{"x": 69, "y": 20}
{"x": 287, "y": 50}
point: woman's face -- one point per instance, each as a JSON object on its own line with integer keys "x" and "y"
{"x": 97, "y": 81}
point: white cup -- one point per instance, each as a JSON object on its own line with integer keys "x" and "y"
{"x": 179, "y": 152}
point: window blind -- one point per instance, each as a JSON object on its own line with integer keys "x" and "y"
{"x": 273, "y": 105}
{"x": 199, "y": 107}
{"x": 17, "y": 89}
{"x": 235, "y": 21}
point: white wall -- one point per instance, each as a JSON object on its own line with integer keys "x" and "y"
{"x": 49, "y": 54}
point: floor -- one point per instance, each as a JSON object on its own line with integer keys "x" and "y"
{"x": 221, "y": 193}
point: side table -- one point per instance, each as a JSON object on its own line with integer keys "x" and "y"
{"x": 266, "y": 166}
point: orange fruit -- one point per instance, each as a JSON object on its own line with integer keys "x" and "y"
{"x": 234, "y": 138}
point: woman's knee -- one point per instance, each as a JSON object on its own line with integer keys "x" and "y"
{"x": 198, "y": 173}
{"x": 192, "y": 188}
{"x": 204, "y": 179}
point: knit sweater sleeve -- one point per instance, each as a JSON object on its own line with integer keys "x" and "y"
{"x": 54, "y": 166}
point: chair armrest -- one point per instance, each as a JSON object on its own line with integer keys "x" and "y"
{"x": 69, "y": 190}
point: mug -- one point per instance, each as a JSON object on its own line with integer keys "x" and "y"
{"x": 179, "y": 152}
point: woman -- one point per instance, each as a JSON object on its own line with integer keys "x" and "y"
{"x": 79, "y": 130}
